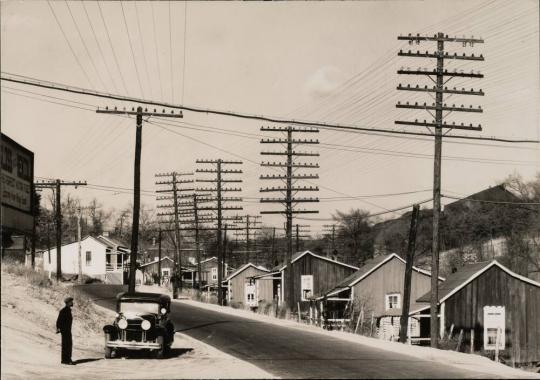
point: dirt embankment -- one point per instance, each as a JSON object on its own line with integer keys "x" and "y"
{"x": 30, "y": 347}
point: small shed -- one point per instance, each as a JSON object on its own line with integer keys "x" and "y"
{"x": 490, "y": 304}
{"x": 151, "y": 269}
{"x": 377, "y": 290}
{"x": 313, "y": 275}
{"x": 241, "y": 286}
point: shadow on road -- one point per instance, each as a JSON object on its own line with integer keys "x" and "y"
{"x": 173, "y": 353}
{"x": 82, "y": 361}
{"x": 202, "y": 325}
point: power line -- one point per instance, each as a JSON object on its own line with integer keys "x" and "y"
{"x": 184, "y": 65}
{"x": 132, "y": 52}
{"x": 494, "y": 202}
{"x": 69, "y": 44}
{"x": 77, "y": 90}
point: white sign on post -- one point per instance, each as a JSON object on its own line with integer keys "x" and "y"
{"x": 494, "y": 327}
{"x": 307, "y": 287}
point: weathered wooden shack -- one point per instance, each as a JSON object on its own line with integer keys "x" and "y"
{"x": 376, "y": 290}
{"x": 490, "y": 304}
{"x": 313, "y": 275}
{"x": 241, "y": 286}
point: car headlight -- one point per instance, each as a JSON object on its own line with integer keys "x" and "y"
{"x": 122, "y": 323}
{"x": 146, "y": 325}
{"x": 163, "y": 310}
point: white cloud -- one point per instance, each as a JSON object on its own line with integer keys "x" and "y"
{"x": 323, "y": 81}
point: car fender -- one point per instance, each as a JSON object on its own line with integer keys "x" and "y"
{"x": 109, "y": 329}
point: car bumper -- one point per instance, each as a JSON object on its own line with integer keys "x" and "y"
{"x": 133, "y": 345}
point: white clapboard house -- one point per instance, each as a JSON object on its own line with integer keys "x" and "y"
{"x": 103, "y": 258}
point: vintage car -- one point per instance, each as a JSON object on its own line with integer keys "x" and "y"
{"x": 142, "y": 323}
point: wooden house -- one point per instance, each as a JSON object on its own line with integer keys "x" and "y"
{"x": 101, "y": 258}
{"x": 377, "y": 289}
{"x": 313, "y": 275}
{"x": 489, "y": 303}
{"x": 241, "y": 286}
{"x": 209, "y": 273}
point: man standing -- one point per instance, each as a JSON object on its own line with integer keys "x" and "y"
{"x": 63, "y": 326}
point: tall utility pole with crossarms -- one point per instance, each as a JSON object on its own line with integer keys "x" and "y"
{"x": 440, "y": 76}
{"x": 139, "y": 114}
{"x": 290, "y": 188}
{"x": 172, "y": 181}
{"x": 219, "y": 207}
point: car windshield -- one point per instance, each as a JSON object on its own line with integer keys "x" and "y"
{"x": 139, "y": 307}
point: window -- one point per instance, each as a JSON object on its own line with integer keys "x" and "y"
{"x": 214, "y": 274}
{"x": 165, "y": 272}
{"x": 307, "y": 287}
{"x": 23, "y": 168}
{"x": 88, "y": 258}
{"x": 7, "y": 163}
{"x": 393, "y": 301}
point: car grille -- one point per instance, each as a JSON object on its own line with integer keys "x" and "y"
{"x": 134, "y": 331}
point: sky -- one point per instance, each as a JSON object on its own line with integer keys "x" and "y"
{"x": 334, "y": 62}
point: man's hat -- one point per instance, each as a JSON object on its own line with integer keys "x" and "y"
{"x": 68, "y": 300}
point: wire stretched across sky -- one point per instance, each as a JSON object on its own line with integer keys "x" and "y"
{"x": 82, "y": 91}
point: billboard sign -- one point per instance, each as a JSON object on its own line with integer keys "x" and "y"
{"x": 16, "y": 177}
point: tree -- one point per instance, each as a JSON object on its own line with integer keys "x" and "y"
{"x": 355, "y": 234}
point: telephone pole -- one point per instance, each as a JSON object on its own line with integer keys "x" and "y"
{"x": 79, "y": 249}
{"x": 173, "y": 181}
{"x": 251, "y": 226}
{"x": 330, "y": 231}
{"x": 291, "y": 178}
{"x": 219, "y": 181}
{"x": 57, "y": 185}
{"x": 301, "y": 233}
{"x": 139, "y": 113}
{"x": 440, "y": 90}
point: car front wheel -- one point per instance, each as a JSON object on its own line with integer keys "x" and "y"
{"x": 160, "y": 352}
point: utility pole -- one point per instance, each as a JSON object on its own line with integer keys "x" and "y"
{"x": 273, "y": 251}
{"x": 404, "y": 322}
{"x": 330, "y": 231}
{"x": 251, "y": 226}
{"x": 291, "y": 178}
{"x": 301, "y": 234}
{"x": 437, "y": 124}
{"x": 159, "y": 257}
{"x": 219, "y": 172}
{"x": 139, "y": 113}
{"x": 57, "y": 185}
{"x": 173, "y": 182}
{"x": 79, "y": 244}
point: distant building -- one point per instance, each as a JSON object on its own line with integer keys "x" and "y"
{"x": 102, "y": 258}
{"x": 489, "y": 303}
{"x": 377, "y": 289}
{"x": 16, "y": 196}
{"x": 313, "y": 276}
{"x": 241, "y": 286}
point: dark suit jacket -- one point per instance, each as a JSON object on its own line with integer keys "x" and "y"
{"x": 64, "y": 321}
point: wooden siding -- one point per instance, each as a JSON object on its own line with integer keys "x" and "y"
{"x": 521, "y": 300}
{"x": 326, "y": 275}
{"x": 389, "y": 278}
{"x": 153, "y": 268}
{"x": 265, "y": 289}
{"x": 237, "y": 283}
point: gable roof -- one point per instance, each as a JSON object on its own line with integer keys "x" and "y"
{"x": 467, "y": 274}
{"x": 371, "y": 266}
{"x": 298, "y": 255}
{"x": 243, "y": 268}
{"x": 209, "y": 259}
{"x": 155, "y": 261}
{"x": 111, "y": 242}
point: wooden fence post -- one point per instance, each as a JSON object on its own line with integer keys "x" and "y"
{"x": 299, "y": 316}
{"x": 310, "y": 314}
{"x": 497, "y": 346}
{"x": 451, "y": 331}
{"x": 360, "y": 320}
{"x": 459, "y": 340}
{"x": 472, "y": 341}
{"x": 371, "y": 333}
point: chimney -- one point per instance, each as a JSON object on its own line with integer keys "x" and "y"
{"x": 156, "y": 258}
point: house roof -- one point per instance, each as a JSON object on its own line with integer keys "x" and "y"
{"x": 369, "y": 267}
{"x": 155, "y": 261}
{"x": 113, "y": 243}
{"x": 298, "y": 255}
{"x": 209, "y": 259}
{"x": 246, "y": 266}
{"x": 464, "y": 276}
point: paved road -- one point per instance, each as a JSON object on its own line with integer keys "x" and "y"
{"x": 288, "y": 352}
